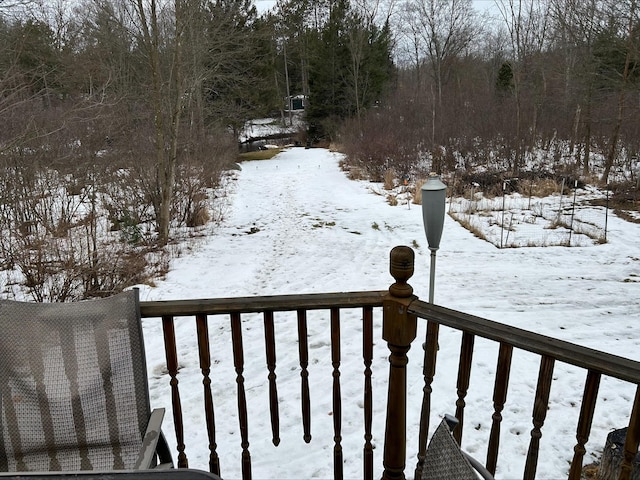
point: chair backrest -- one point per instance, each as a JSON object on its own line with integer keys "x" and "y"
{"x": 444, "y": 460}
{"x": 73, "y": 384}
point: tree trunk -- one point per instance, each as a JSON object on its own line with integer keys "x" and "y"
{"x": 574, "y": 138}
{"x": 611, "y": 155}
{"x": 621, "y": 99}
{"x": 587, "y": 137}
{"x": 151, "y": 39}
{"x": 166, "y": 155}
{"x": 286, "y": 79}
{"x": 612, "y": 456}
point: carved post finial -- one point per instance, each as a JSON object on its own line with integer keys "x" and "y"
{"x": 401, "y": 268}
{"x": 398, "y": 330}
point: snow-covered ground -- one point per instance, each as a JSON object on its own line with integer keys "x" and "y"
{"x": 266, "y": 127}
{"x": 296, "y": 224}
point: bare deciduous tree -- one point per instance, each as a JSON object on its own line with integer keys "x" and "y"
{"x": 526, "y": 22}
{"x": 441, "y": 32}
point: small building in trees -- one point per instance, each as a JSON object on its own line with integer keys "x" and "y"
{"x": 296, "y": 102}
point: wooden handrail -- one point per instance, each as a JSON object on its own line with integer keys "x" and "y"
{"x": 550, "y": 350}
{"x": 583, "y": 357}
{"x": 276, "y": 303}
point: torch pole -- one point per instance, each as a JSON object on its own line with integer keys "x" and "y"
{"x": 432, "y": 274}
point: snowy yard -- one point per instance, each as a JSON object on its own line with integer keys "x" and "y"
{"x": 515, "y": 221}
{"x": 296, "y": 224}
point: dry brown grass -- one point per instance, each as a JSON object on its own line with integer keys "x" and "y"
{"x": 336, "y": 147}
{"x": 356, "y": 173}
{"x": 199, "y": 217}
{"x": 625, "y": 215}
{"x": 259, "y": 154}
{"x": 475, "y": 229}
{"x": 590, "y": 472}
{"x": 473, "y": 194}
{"x": 417, "y": 191}
{"x": 389, "y": 179}
{"x": 544, "y": 187}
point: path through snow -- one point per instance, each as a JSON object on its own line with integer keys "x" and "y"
{"x": 296, "y": 224}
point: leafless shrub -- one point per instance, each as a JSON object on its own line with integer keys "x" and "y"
{"x": 438, "y": 154}
{"x": 357, "y": 173}
{"x": 389, "y": 179}
{"x": 377, "y": 143}
{"x": 78, "y": 198}
{"x": 202, "y": 163}
{"x": 117, "y": 268}
{"x": 63, "y": 253}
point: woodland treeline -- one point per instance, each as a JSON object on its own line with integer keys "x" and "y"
{"x": 119, "y": 117}
{"x": 538, "y": 87}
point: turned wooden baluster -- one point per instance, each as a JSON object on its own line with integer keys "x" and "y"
{"x": 428, "y": 371}
{"x": 398, "y": 330}
{"x": 337, "y": 401}
{"x": 172, "y": 366}
{"x": 270, "y": 347}
{"x": 205, "y": 367}
{"x": 303, "y": 353}
{"x": 238, "y": 361}
{"x": 367, "y": 353}
{"x": 464, "y": 374}
{"x": 584, "y": 423}
{"x": 500, "y": 388}
{"x": 540, "y": 405}
{"x": 632, "y": 440}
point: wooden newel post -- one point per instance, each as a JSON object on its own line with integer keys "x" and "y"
{"x": 398, "y": 330}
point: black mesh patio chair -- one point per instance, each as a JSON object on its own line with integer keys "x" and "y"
{"x": 73, "y": 388}
{"x": 444, "y": 460}
{"x": 155, "y": 474}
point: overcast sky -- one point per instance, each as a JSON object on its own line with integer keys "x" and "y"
{"x": 482, "y": 5}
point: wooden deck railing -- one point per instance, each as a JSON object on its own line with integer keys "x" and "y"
{"x": 401, "y": 313}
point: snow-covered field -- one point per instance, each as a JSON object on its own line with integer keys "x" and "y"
{"x": 296, "y": 224}
{"x": 515, "y": 220}
{"x": 265, "y": 127}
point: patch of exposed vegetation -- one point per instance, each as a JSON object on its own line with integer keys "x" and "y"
{"x": 624, "y": 200}
{"x": 259, "y": 154}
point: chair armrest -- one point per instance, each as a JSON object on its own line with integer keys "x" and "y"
{"x": 150, "y": 440}
{"x": 482, "y": 471}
